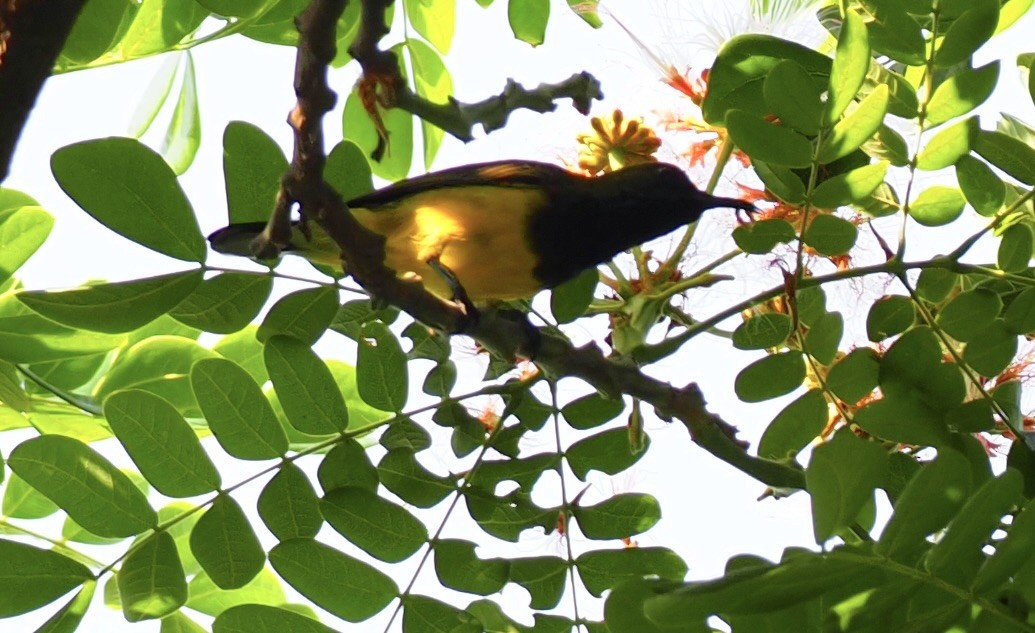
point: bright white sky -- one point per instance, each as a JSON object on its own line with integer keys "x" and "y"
{"x": 710, "y": 512}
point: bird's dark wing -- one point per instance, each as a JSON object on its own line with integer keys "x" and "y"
{"x": 508, "y": 173}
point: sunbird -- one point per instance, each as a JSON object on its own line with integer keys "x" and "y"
{"x": 505, "y": 230}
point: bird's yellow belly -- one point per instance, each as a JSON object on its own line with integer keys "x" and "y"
{"x": 476, "y": 232}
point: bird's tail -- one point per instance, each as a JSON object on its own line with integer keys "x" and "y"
{"x": 236, "y": 239}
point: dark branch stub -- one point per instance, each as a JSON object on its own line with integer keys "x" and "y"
{"x": 32, "y": 34}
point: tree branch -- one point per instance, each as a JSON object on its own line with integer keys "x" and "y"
{"x": 32, "y": 33}
{"x": 363, "y": 256}
{"x": 455, "y": 117}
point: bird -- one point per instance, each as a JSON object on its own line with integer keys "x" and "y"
{"x": 505, "y": 230}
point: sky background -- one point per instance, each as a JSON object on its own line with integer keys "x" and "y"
{"x": 710, "y": 510}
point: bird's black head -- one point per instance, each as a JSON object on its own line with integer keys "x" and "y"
{"x": 665, "y": 191}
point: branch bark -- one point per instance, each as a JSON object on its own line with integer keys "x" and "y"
{"x": 32, "y": 33}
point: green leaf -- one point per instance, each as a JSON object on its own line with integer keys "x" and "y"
{"x": 130, "y": 189}
{"x": 225, "y": 303}
{"x": 358, "y": 128}
{"x": 621, "y": 516}
{"x": 249, "y": 618}
{"x": 528, "y": 20}
{"x": 783, "y": 182}
{"x": 888, "y": 316}
{"x": 234, "y": 8}
{"x": 116, "y": 307}
{"x": 305, "y": 387}
{"x": 855, "y": 376}
{"x": 1025, "y": 63}
{"x": 225, "y": 544}
{"x": 1015, "y": 249}
{"x": 903, "y": 417}
{"x": 253, "y": 164}
{"x": 305, "y": 315}
{"x": 81, "y": 482}
{"x": 608, "y": 452}
{"x": 525, "y": 472}
{"x": 948, "y": 146}
{"x": 855, "y": 128}
{"x": 406, "y": 434}
{"x": 34, "y": 577}
{"x": 155, "y": 96}
{"x": 381, "y": 371}
{"x": 768, "y": 142}
{"x": 961, "y": 92}
{"x": 795, "y": 426}
{"x": 1010, "y": 553}
{"x": 935, "y": 284}
{"x": 937, "y": 206}
{"x": 1020, "y": 315}
{"x": 762, "y": 236}
{"x": 981, "y": 186}
{"x": 157, "y": 27}
{"x": 897, "y": 34}
{"x": 852, "y": 187}
{"x": 931, "y": 499}
{"x": 459, "y": 568}
{"x": 348, "y": 171}
{"x": 433, "y": 82}
{"x": 70, "y": 616}
{"x": 914, "y": 364}
{"x": 769, "y": 377}
{"x": 967, "y": 33}
{"x": 762, "y": 331}
{"x": 209, "y": 599}
{"x": 794, "y": 97}
{"x": 991, "y": 348}
{"x": 744, "y": 62}
{"x": 161, "y": 443}
{"x": 99, "y": 26}
{"x": 969, "y": 312}
{"x": 824, "y": 337}
{"x": 386, "y": 531}
{"x": 851, "y": 62}
{"x": 150, "y": 579}
{"x": 1013, "y": 156}
{"x": 347, "y": 466}
{"x": 186, "y": 516}
{"x": 236, "y": 410}
{"x": 22, "y": 231}
{"x": 434, "y": 20}
{"x": 179, "y": 623}
{"x": 841, "y": 477}
{"x": 585, "y": 9}
{"x": 543, "y": 577}
{"x": 604, "y": 569}
{"x": 402, "y": 474}
{"x": 22, "y": 501}
{"x": 350, "y": 589}
{"x": 161, "y": 365}
{"x": 591, "y": 411}
{"x": 183, "y": 136}
{"x": 830, "y": 235}
{"x": 288, "y": 505}
{"x": 957, "y": 555}
{"x": 570, "y": 300}
{"x": 427, "y": 614}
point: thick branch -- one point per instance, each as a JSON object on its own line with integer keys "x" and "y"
{"x": 32, "y": 33}
{"x": 459, "y": 119}
{"x": 363, "y": 255}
